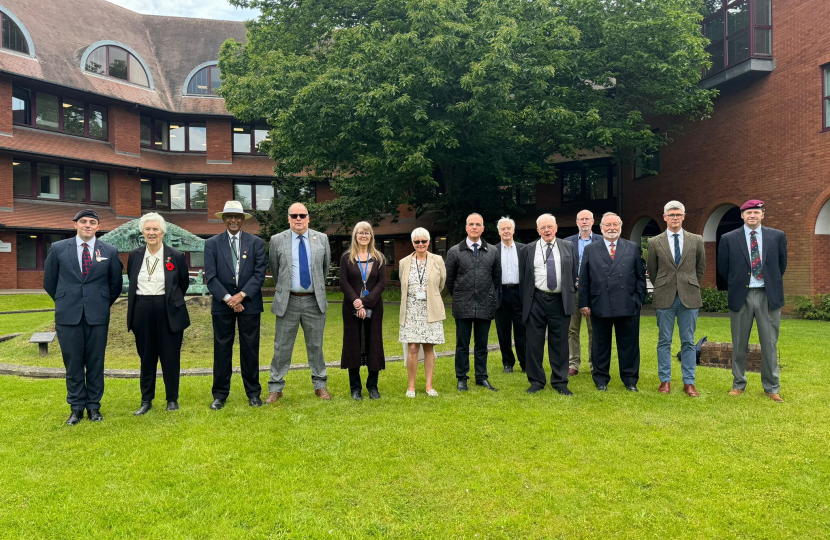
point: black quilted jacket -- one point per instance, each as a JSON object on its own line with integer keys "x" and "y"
{"x": 472, "y": 281}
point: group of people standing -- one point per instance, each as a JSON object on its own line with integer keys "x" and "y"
{"x": 538, "y": 292}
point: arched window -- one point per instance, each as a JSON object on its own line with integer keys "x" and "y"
{"x": 113, "y": 61}
{"x": 13, "y": 36}
{"x": 205, "y": 81}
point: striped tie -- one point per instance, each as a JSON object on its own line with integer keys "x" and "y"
{"x": 86, "y": 261}
{"x": 755, "y": 255}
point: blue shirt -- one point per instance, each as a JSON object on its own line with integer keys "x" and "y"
{"x": 754, "y": 283}
{"x": 581, "y": 243}
{"x": 295, "y": 262}
{"x": 80, "y": 250}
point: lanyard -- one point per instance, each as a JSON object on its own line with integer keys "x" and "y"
{"x": 364, "y": 274}
{"x": 418, "y": 267}
{"x": 150, "y": 270}
{"x": 549, "y": 255}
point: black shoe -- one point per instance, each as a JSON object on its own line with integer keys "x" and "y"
{"x": 564, "y": 391}
{"x": 533, "y": 389}
{"x": 486, "y": 384}
{"x": 255, "y": 401}
{"x": 602, "y": 387}
{"x": 144, "y": 409}
{"x": 75, "y": 418}
{"x": 462, "y": 385}
{"x": 95, "y": 415}
{"x": 632, "y": 388}
{"x": 217, "y": 405}
{"x": 508, "y": 369}
{"x": 356, "y": 395}
{"x": 374, "y": 394}
{"x": 172, "y": 405}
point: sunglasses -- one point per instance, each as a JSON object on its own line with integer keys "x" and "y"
{"x": 298, "y": 216}
{"x": 419, "y": 242}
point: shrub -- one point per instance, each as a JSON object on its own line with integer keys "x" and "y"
{"x": 815, "y": 308}
{"x": 714, "y": 301}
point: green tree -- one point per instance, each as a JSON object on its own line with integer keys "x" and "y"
{"x": 448, "y": 105}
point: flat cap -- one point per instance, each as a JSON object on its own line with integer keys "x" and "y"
{"x": 87, "y": 212}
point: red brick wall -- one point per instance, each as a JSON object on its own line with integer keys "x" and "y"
{"x": 30, "y": 279}
{"x": 8, "y": 261}
{"x": 5, "y": 112}
{"x": 324, "y": 193}
{"x": 220, "y": 190}
{"x": 6, "y": 183}
{"x": 219, "y": 141}
{"x": 125, "y": 194}
{"x": 125, "y": 130}
{"x": 821, "y": 273}
{"x": 764, "y": 141}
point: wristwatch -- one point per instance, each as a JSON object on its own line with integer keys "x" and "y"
{"x": 242, "y": 294}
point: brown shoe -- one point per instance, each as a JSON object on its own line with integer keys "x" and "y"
{"x": 322, "y": 393}
{"x": 665, "y": 388}
{"x": 735, "y": 392}
{"x": 572, "y": 372}
{"x": 690, "y": 390}
{"x": 273, "y": 397}
{"x": 776, "y": 398}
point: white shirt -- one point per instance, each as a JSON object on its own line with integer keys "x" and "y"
{"x": 754, "y": 283}
{"x": 238, "y": 257}
{"x": 151, "y": 284}
{"x": 608, "y": 245}
{"x": 470, "y": 244}
{"x": 80, "y": 250}
{"x": 509, "y": 264}
{"x": 671, "y": 241}
{"x": 540, "y": 270}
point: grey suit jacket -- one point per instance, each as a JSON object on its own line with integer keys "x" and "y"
{"x": 280, "y": 258}
{"x": 670, "y": 280}
{"x": 569, "y": 258}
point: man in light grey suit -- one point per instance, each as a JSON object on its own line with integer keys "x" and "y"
{"x": 300, "y": 259}
{"x": 676, "y": 264}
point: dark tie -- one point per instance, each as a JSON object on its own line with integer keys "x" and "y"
{"x": 677, "y": 249}
{"x": 551, "y": 264}
{"x": 475, "y": 251}
{"x": 234, "y": 254}
{"x": 86, "y": 261}
{"x": 755, "y": 256}
{"x": 613, "y": 250}
{"x": 305, "y": 275}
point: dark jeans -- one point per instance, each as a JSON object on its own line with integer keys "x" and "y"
{"x": 82, "y": 347}
{"x": 463, "y": 329}
{"x": 509, "y": 321}
{"x": 354, "y": 380}
{"x": 224, "y": 327}
{"x": 155, "y": 341}
{"x": 627, "y": 332}
{"x": 547, "y": 314}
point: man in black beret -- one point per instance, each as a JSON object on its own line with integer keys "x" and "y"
{"x": 83, "y": 277}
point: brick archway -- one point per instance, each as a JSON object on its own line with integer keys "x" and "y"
{"x": 820, "y": 235}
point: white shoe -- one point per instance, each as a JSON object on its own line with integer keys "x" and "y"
{"x": 410, "y": 393}
{"x": 432, "y": 393}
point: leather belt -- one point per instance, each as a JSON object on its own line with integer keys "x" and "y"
{"x": 546, "y": 292}
{"x": 301, "y": 294}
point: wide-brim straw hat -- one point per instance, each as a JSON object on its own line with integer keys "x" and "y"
{"x": 233, "y": 207}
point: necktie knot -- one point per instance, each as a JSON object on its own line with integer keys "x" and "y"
{"x": 87, "y": 245}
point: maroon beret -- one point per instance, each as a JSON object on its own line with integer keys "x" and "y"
{"x": 753, "y": 203}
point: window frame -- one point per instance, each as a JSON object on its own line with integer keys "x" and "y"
{"x": 129, "y": 63}
{"x": 170, "y": 183}
{"x": 5, "y": 16}
{"x": 750, "y": 29}
{"x": 582, "y": 167}
{"x": 186, "y": 125}
{"x": 253, "y": 127}
{"x": 209, "y": 92}
{"x": 253, "y": 184}
{"x": 825, "y": 97}
{"x": 40, "y": 248}
{"x": 87, "y": 110}
{"x": 62, "y": 179}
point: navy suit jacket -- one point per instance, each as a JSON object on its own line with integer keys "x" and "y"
{"x": 734, "y": 266}
{"x": 176, "y": 282}
{"x": 575, "y": 240}
{"x": 612, "y": 288}
{"x": 519, "y": 248}
{"x": 74, "y": 295}
{"x": 219, "y": 271}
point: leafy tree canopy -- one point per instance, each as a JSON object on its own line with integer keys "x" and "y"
{"x": 395, "y": 101}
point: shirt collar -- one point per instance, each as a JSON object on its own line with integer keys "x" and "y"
{"x": 543, "y": 243}
{"x": 470, "y": 243}
{"x": 680, "y": 232}
{"x": 158, "y": 254}
{"x": 237, "y": 235}
{"x": 748, "y": 231}
{"x": 79, "y": 241}
{"x": 511, "y": 246}
{"x": 608, "y": 242}
{"x": 589, "y": 239}
{"x": 295, "y": 235}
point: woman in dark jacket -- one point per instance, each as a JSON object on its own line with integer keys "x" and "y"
{"x": 156, "y": 312}
{"x": 363, "y": 278}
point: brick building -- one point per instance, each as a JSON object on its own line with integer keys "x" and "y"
{"x": 118, "y": 113}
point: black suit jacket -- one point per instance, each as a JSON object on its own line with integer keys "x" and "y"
{"x": 219, "y": 271}
{"x": 519, "y": 249}
{"x": 176, "y": 282}
{"x": 569, "y": 261}
{"x": 734, "y": 266}
{"x": 612, "y": 288}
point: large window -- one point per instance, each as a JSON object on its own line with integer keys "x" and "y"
{"x": 116, "y": 62}
{"x": 173, "y": 136}
{"x": 48, "y": 111}
{"x": 13, "y": 37}
{"x": 32, "y": 249}
{"x": 826, "y": 72}
{"x": 164, "y": 194}
{"x": 246, "y": 139}
{"x": 61, "y": 183}
{"x": 205, "y": 82}
{"x": 254, "y": 195}
{"x": 737, "y": 30}
{"x": 588, "y": 181}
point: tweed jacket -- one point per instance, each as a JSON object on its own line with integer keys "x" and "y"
{"x": 682, "y": 280}
{"x": 279, "y": 254}
{"x": 473, "y": 281}
{"x": 436, "y": 277}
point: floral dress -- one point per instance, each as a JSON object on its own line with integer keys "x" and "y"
{"x": 416, "y": 329}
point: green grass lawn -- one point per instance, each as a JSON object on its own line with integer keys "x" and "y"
{"x": 479, "y": 465}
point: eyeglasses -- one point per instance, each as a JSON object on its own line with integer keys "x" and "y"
{"x": 547, "y": 228}
{"x": 363, "y": 233}
{"x": 675, "y": 216}
{"x": 419, "y": 242}
{"x": 298, "y": 216}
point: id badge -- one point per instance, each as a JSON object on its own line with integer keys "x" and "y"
{"x": 365, "y": 293}
{"x": 420, "y": 296}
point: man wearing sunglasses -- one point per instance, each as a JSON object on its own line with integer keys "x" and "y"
{"x": 676, "y": 264}
{"x": 300, "y": 260}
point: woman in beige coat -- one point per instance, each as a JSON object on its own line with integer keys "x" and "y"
{"x": 422, "y": 309}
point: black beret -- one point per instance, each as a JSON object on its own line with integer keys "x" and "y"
{"x": 88, "y": 212}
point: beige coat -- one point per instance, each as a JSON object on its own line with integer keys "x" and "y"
{"x": 670, "y": 280}
{"x": 436, "y": 276}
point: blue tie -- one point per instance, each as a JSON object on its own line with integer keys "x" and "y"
{"x": 677, "y": 249}
{"x": 475, "y": 251}
{"x": 305, "y": 275}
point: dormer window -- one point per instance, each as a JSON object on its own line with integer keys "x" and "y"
{"x": 204, "y": 82}
{"x": 113, "y": 61}
{"x": 13, "y": 37}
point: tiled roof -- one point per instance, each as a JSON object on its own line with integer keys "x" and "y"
{"x": 170, "y": 47}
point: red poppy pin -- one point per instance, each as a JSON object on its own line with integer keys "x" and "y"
{"x": 169, "y": 265}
